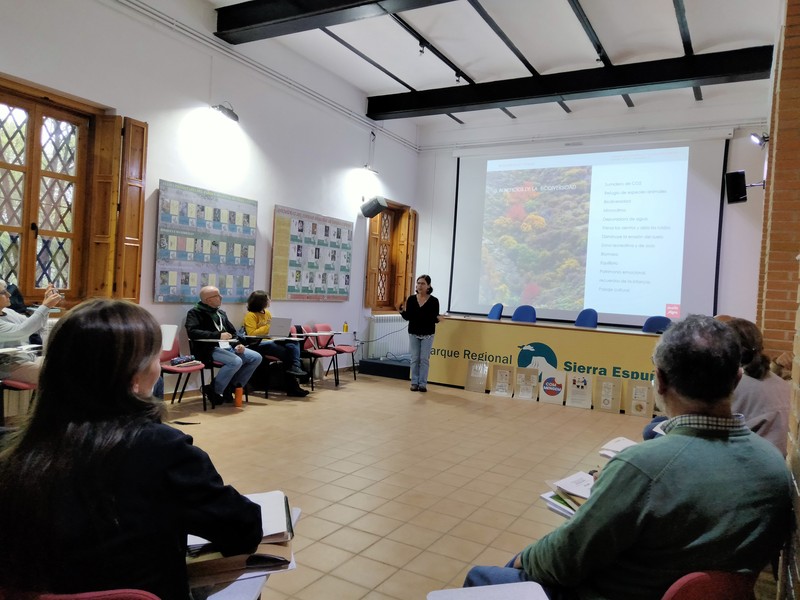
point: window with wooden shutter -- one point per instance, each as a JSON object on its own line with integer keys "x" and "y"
{"x": 62, "y": 220}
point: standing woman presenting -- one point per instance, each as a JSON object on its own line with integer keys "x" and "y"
{"x": 422, "y": 313}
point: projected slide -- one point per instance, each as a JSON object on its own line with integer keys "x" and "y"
{"x": 635, "y": 250}
{"x": 631, "y": 232}
{"x": 534, "y": 235}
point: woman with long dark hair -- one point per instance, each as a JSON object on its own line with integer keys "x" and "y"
{"x": 95, "y": 492}
{"x": 421, "y": 310}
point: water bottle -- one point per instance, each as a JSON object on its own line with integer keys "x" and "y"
{"x": 237, "y": 397}
{"x": 345, "y": 327}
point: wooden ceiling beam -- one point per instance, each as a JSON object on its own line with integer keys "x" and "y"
{"x": 263, "y": 19}
{"x": 746, "y": 64}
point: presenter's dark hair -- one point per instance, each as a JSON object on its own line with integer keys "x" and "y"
{"x": 427, "y": 279}
{"x": 754, "y": 362}
{"x": 699, "y": 358}
{"x": 257, "y": 301}
{"x": 84, "y": 415}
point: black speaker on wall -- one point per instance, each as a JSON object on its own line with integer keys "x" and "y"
{"x": 735, "y": 187}
{"x": 374, "y": 206}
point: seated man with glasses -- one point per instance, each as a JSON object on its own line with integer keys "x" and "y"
{"x": 207, "y": 321}
{"x": 16, "y": 329}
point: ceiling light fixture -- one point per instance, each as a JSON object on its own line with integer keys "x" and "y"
{"x": 761, "y": 140}
{"x": 227, "y": 110}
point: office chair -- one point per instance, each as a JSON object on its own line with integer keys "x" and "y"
{"x": 495, "y": 312}
{"x": 328, "y": 342}
{"x": 210, "y": 365}
{"x": 587, "y": 318}
{"x": 17, "y": 386}
{"x": 524, "y": 313}
{"x": 712, "y": 585}
{"x": 656, "y": 324}
{"x": 179, "y": 370}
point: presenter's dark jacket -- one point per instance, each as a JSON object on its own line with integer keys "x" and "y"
{"x": 161, "y": 488}
{"x": 421, "y": 319}
{"x": 203, "y": 322}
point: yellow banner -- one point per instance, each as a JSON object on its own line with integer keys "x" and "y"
{"x": 547, "y": 347}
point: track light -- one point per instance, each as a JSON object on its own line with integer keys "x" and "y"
{"x": 371, "y": 153}
{"x": 761, "y": 140}
{"x": 227, "y": 111}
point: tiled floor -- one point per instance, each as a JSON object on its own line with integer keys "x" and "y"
{"x": 401, "y": 492}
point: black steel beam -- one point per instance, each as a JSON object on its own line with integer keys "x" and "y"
{"x": 263, "y": 19}
{"x": 746, "y": 64}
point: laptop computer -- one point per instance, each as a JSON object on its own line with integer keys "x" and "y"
{"x": 280, "y": 327}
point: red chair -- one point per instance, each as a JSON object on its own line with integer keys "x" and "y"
{"x": 210, "y": 365}
{"x": 312, "y": 351}
{"x": 328, "y": 342}
{"x": 17, "y": 386}
{"x": 121, "y": 594}
{"x": 179, "y": 370}
{"x": 713, "y": 585}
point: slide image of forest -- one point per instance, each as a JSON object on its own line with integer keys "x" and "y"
{"x": 535, "y": 232}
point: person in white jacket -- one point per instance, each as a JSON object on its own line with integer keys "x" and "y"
{"x": 15, "y": 329}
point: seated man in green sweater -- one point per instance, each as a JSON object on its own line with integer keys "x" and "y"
{"x": 708, "y": 495}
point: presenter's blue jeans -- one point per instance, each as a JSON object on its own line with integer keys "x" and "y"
{"x": 236, "y": 368}
{"x": 420, "y": 358}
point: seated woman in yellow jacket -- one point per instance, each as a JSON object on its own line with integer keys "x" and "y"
{"x": 257, "y": 322}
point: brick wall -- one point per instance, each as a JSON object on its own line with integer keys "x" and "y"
{"x": 778, "y": 313}
{"x": 778, "y": 281}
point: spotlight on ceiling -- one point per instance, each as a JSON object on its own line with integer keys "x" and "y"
{"x": 759, "y": 139}
{"x": 227, "y": 111}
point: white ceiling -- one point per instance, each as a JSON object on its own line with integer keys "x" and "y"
{"x": 546, "y": 32}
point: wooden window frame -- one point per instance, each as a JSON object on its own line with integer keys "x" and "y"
{"x": 403, "y": 256}
{"x": 108, "y": 242}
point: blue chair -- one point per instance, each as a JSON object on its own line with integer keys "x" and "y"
{"x": 525, "y": 314}
{"x": 496, "y": 312}
{"x": 587, "y": 318}
{"x": 656, "y": 324}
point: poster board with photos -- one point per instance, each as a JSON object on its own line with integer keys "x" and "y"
{"x": 477, "y": 373}
{"x": 579, "y": 390}
{"x": 639, "y": 399}
{"x": 203, "y": 238}
{"x": 502, "y": 380}
{"x": 311, "y": 256}
{"x": 526, "y": 385}
{"x": 607, "y": 393}
{"x": 551, "y": 388}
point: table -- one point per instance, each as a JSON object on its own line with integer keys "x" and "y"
{"x": 241, "y": 589}
{"x": 527, "y": 590}
{"x": 623, "y": 353}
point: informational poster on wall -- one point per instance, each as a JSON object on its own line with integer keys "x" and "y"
{"x": 203, "y": 238}
{"x": 311, "y": 256}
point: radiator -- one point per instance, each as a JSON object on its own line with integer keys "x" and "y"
{"x": 388, "y": 336}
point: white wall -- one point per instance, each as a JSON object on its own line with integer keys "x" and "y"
{"x": 293, "y": 150}
{"x": 288, "y": 149}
